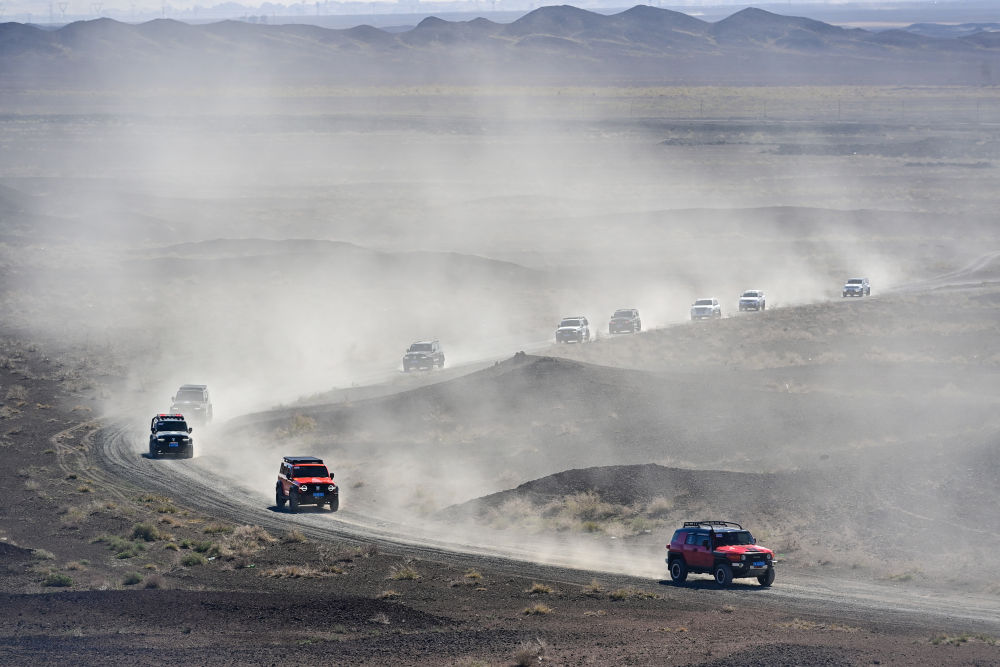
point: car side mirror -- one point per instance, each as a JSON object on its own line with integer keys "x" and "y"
{"x": 190, "y": 429}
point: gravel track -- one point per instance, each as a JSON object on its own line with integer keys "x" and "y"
{"x": 122, "y": 464}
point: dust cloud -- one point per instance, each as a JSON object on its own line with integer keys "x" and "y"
{"x": 277, "y": 243}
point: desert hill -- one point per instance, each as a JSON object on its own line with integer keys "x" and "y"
{"x": 549, "y": 44}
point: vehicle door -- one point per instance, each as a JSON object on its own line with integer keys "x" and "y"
{"x": 700, "y": 550}
{"x": 283, "y": 478}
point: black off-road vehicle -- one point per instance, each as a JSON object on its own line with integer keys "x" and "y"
{"x": 625, "y": 320}
{"x": 720, "y": 548}
{"x": 305, "y": 480}
{"x": 170, "y": 434}
{"x": 424, "y": 354}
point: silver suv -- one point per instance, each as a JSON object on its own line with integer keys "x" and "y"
{"x": 752, "y": 299}
{"x": 193, "y": 401}
{"x": 704, "y": 309}
{"x": 573, "y": 330}
{"x": 857, "y": 287}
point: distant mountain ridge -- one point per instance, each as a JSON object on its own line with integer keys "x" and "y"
{"x": 552, "y": 44}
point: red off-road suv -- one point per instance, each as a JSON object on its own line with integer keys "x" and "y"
{"x": 305, "y": 480}
{"x": 720, "y": 548}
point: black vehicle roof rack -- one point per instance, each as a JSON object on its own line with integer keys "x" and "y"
{"x": 302, "y": 459}
{"x": 709, "y": 524}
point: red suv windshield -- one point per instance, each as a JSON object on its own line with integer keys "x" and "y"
{"x": 309, "y": 471}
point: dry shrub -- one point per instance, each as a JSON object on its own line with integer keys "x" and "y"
{"x": 193, "y": 559}
{"x": 301, "y": 425}
{"x": 76, "y": 565}
{"x": 539, "y": 589}
{"x": 155, "y": 581}
{"x": 659, "y": 507}
{"x": 537, "y": 609}
{"x": 380, "y": 618}
{"x": 632, "y": 594}
{"x": 293, "y": 572}
{"x": 216, "y": 529}
{"x": 245, "y": 541}
{"x": 388, "y": 595}
{"x": 404, "y": 573}
{"x": 530, "y": 653}
{"x": 146, "y": 532}
{"x": 293, "y": 536}
{"x": 588, "y": 506}
{"x": 594, "y": 589}
{"x": 804, "y": 624}
{"x": 17, "y": 393}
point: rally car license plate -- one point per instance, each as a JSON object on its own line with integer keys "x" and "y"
{"x": 318, "y": 494}
{"x": 758, "y": 563}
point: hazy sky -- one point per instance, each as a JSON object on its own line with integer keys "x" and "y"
{"x": 59, "y": 11}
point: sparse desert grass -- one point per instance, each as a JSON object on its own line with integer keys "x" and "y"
{"x": 659, "y": 507}
{"x": 582, "y": 512}
{"x": 245, "y": 541}
{"x": 57, "y": 579}
{"x": 84, "y": 488}
{"x": 537, "y": 609}
{"x": 42, "y": 554}
{"x": 804, "y": 624}
{"x": 594, "y": 589}
{"x": 293, "y": 536}
{"x": 294, "y": 572}
{"x": 403, "y": 573}
{"x": 17, "y": 393}
{"x": 192, "y": 560}
{"x": 216, "y": 529}
{"x": 122, "y": 547}
{"x": 76, "y": 566}
{"x": 539, "y": 589}
{"x": 155, "y": 581}
{"x": 473, "y": 575}
{"x": 380, "y": 618}
{"x": 632, "y": 594}
{"x": 389, "y": 595}
{"x": 530, "y": 653}
{"x": 727, "y": 609}
{"x": 131, "y": 579}
{"x": 146, "y": 532}
{"x": 958, "y": 640}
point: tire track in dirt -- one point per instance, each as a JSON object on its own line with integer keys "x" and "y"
{"x": 126, "y": 470}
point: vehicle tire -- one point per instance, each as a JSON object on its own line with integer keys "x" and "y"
{"x": 763, "y": 306}
{"x": 406, "y": 369}
{"x": 678, "y": 570}
{"x": 723, "y": 574}
{"x": 293, "y": 502}
{"x": 441, "y": 365}
{"x": 279, "y": 498}
{"x": 767, "y": 578}
{"x": 335, "y": 504}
